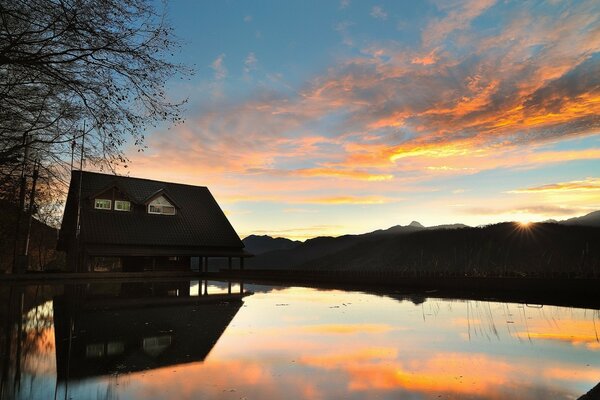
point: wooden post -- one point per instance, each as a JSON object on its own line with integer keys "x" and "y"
{"x": 206, "y": 264}
{"x": 229, "y": 264}
{"x": 229, "y": 286}
{"x": 206, "y": 286}
{"x": 241, "y": 287}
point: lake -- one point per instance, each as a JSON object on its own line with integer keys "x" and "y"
{"x": 220, "y": 340}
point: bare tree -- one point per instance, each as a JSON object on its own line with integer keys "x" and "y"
{"x": 63, "y": 62}
{"x": 70, "y": 68}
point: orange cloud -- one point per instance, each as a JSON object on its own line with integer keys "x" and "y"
{"x": 576, "y": 332}
{"x": 376, "y": 368}
{"x": 589, "y": 184}
{"x": 428, "y": 59}
{"x": 347, "y": 200}
{"x": 463, "y": 102}
{"x": 348, "y": 174}
{"x": 348, "y": 328}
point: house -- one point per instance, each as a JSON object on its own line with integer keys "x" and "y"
{"x": 118, "y": 223}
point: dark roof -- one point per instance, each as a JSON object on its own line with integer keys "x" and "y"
{"x": 199, "y": 221}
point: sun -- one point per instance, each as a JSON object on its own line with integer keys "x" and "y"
{"x": 524, "y": 224}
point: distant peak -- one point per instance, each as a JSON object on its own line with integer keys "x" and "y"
{"x": 416, "y": 224}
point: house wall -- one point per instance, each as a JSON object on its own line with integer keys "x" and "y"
{"x": 140, "y": 264}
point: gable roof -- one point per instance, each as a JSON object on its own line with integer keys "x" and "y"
{"x": 199, "y": 221}
{"x": 113, "y": 185}
{"x": 160, "y": 193}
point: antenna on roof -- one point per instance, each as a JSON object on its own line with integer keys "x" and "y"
{"x": 73, "y": 145}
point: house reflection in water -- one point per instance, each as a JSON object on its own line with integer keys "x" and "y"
{"x": 120, "y": 331}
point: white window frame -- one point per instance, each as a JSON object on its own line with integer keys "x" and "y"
{"x": 103, "y": 208}
{"x": 161, "y": 209}
{"x": 128, "y": 203}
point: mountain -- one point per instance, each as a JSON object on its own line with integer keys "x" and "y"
{"x": 412, "y": 227}
{"x": 454, "y": 247}
{"x": 545, "y": 249}
{"x": 256, "y": 244}
{"x": 591, "y": 219}
{"x": 305, "y": 252}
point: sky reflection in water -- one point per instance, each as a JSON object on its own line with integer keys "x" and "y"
{"x": 301, "y": 343}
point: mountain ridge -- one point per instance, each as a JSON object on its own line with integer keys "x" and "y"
{"x": 321, "y": 250}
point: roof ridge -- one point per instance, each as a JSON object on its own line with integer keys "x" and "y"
{"x": 140, "y": 179}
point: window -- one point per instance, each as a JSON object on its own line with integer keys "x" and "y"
{"x": 94, "y": 350}
{"x": 161, "y": 205}
{"x": 155, "y": 345}
{"x": 114, "y": 348}
{"x": 122, "y": 205}
{"x": 102, "y": 204}
{"x": 169, "y": 210}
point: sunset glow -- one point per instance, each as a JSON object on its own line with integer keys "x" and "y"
{"x": 303, "y": 343}
{"x": 383, "y": 113}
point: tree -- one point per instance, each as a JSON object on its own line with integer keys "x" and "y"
{"x": 70, "y": 68}
{"x": 66, "y": 64}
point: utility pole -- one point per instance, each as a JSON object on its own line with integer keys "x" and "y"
{"x": 78, "y": 258}
{"x": 22, "y": 189}
{"x": 36, "y": 169}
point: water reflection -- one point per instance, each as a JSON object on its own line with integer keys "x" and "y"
{"x": 170, "y": 340}
{"x": 139, "y": 327}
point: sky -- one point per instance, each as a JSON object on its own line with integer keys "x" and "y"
{"x": 311, "y": 118}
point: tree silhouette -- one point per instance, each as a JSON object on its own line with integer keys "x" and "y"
{"x": 66, "y": 62}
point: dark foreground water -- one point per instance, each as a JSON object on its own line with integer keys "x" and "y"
{"x": 173, "y": 341}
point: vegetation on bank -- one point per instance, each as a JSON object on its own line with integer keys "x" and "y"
{"x": 42, "y": 252}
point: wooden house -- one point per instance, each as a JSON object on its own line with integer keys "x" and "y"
{"x": 118, "y": 223}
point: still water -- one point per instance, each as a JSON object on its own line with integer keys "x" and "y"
{"x": 205, "y": 340}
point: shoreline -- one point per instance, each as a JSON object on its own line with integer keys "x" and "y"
{"x": 571, "y": 292}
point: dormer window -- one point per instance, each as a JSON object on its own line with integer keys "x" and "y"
{"x": 122, "y": 205}
{"x": 161, "y": 205}
{"x": 102, "y": 204}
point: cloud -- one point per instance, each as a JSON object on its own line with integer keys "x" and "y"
{"x": 428, "y": 59}
{"x": 326, "y": 172}
{"x": 344, "y": 4}
{"x": 588, "y": 184}
{"x": 250, "y": 63}
{"x": 458, "y": 16}
{"x": 379, "y": 13}
{"x": 351, "y": 329}
{"x": 218, "y": 66}
{"x": 346, "y": 200}
{"x": 248, "y": 18}
{"x": 299, "y": 211}
{"x": 394, "y": 118}
{"x": 343, "y": 28}
{"x": 540, "y": 210}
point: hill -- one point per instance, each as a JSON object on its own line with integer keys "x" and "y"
{"x": 591, "y": 219}
{"x": 312, "y": 249}
{"x": 570, "y": 247}
{"x": 497, "y": 250}
{"x": 262, "y": 244}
